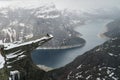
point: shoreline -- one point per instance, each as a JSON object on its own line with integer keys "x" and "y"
{"x": 62, "y": 48}
{"x": 45, "y": 68}
{"x": 102, "y": 34}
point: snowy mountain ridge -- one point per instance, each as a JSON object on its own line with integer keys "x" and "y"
{"x": 24, "y": 24}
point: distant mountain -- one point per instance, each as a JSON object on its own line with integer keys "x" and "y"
{"x": 100, "y": 63}
{"x": 24, "y": 24}
{"x": 113, "y": 29}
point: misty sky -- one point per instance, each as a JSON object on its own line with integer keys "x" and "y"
{"x": 71, "y": 4}
{"x": 87, "y": 4}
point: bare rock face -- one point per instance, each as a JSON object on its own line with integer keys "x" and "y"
{"x": 100, "y": 63}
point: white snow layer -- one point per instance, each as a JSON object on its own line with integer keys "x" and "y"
{"x": 2, "y": 61}
{"x": 11, "y": 46}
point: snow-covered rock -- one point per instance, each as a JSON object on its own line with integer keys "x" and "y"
{"x": 18, "y": 59}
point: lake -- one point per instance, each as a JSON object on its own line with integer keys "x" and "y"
{"x": 58, "y": 58}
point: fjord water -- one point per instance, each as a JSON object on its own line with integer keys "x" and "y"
{"x": 59, "y": 57}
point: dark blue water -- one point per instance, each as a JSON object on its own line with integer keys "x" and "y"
{"x": 54, "y": 58}
{"x": 59, "y": 58}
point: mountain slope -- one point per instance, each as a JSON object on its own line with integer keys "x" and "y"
{"x": 100, "y": 63}
{"x": 24, "y": 24}
{"x": 113, "y": 29}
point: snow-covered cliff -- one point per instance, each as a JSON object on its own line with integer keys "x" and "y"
{"x": 16, "y": 62}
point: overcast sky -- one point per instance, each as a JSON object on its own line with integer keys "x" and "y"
{"x": 86, "y": 4}
{"x": 71, "y": 4}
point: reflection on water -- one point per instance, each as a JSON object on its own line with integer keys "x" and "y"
{"x": 59, "y": 58}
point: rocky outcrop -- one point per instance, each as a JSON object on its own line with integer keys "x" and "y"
{"x": 100, "y": 63}
{"x": 19, "y": 65}
{"x": 22, "y": 68}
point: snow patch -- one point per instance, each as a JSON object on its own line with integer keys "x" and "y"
{"x": 29, "y": 36}
{"x": 15, "y": 74}
{"x": 114, "y": 38}
{"x": 10, "y": 34}
{"x": 12, "y": 55}
{"x": 114, "y": 78}
{"x": 2, "y": 61}
{"x": 112, "y": 54}
{"x": 21, "y": 57}
{"x": 17, "y": 55}
{"x": 22, "y": 24}
{"x": 98, "y": 79}
{"x": 13, "y": 23}
{"x": 88, "y": 77}
{"x": 10, "y": 78}
{"x": 9, "y": 66}
{"x": 110, "y": 75}
{"x": 98, "y": 49}
{"x": 79, "y": 76}
{"x": 79, "y": 66}
{"x": 69, "y": 75}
